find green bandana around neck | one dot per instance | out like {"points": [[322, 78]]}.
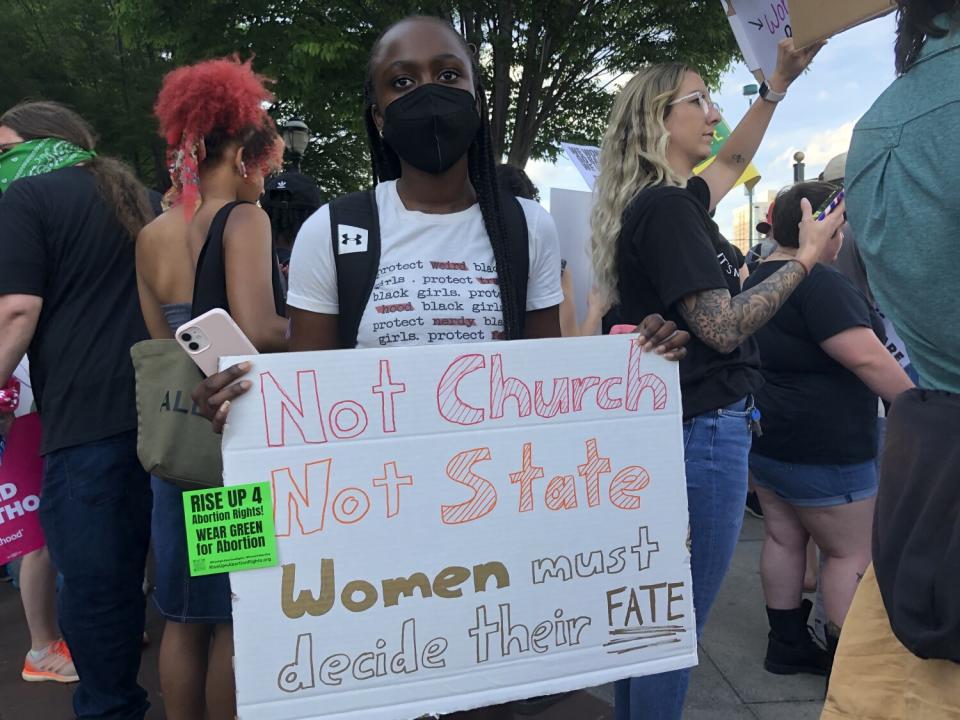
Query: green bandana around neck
{"points": [[36, 157]]}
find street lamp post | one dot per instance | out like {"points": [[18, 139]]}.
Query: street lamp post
{"points": [[749, 91], [296, 137], [798, 167]]}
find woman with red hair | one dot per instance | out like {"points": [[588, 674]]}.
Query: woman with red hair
{"points": [[222, 143]]}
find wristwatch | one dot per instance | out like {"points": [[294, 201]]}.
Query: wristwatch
{"points": [[769, 94]]}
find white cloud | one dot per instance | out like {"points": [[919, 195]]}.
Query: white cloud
{"points": [[821, 146]]}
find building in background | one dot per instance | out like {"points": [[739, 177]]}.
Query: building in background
{"points": [[745, 236]]}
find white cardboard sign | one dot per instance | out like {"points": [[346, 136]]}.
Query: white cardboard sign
{"points": [[586, 158], [759, 26], [571, 212], [815, 20], [460, 526]]}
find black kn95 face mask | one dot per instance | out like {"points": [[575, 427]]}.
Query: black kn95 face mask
{"points": [[431, 127]]}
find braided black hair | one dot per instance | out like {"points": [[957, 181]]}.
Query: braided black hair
{"points": [[482, 171]]}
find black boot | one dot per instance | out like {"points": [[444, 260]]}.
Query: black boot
{"points": [[832, 634], [791, 648]]}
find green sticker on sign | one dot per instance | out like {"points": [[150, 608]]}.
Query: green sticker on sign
{"points": [[230, 529]]}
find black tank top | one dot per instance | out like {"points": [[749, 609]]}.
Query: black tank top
{"points": [[210, 281]]}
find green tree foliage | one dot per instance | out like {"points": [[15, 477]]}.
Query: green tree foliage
{"points": [[550, 67], [550, 64], [53, 49]]}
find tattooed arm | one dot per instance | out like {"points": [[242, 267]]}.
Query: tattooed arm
{"points": [[724, 322]]}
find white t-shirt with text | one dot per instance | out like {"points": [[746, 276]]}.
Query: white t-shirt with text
{"points": [[437, 280]]}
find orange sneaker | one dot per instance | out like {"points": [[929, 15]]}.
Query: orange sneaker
{"points": [[55, 665]]}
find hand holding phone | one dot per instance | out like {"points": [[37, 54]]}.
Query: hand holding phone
{"points": [[819, 241], [211, 336]]}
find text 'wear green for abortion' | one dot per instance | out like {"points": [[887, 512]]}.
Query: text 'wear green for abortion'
{"points": [[230, 529]]}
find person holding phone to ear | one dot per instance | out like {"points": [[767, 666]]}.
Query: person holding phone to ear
{"points": [[815, 465]]}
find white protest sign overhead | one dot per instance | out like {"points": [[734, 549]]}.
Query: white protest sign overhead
{"points": [[571, 212], [759, 26], [586, 159], [459, 526]]}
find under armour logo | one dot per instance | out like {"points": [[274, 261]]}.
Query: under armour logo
{"points": [[352, 239]]}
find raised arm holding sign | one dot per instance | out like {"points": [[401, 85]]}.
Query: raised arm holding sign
{"points": [[742, 145], [759, 26], [656, 249]]}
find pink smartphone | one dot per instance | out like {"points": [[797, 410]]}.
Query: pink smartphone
{"points": [[211, 336]]}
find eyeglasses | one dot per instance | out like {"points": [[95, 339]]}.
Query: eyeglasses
{"points": [[706, 104]]}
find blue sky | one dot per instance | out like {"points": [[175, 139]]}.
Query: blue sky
{"points": [[817, 116]]}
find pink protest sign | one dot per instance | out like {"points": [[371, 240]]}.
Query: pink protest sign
{"points": [[20, 475]]}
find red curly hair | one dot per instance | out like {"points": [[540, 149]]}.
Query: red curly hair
{"points": [[202, 108]]}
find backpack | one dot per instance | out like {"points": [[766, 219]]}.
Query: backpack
{"points": [[357, 269]]}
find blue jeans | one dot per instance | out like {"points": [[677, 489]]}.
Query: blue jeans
{"points": [[823, 485], [95, 511], [716, 447]]}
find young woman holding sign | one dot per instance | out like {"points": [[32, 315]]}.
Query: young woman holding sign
{"points": [[656, 250], [439, 209]]}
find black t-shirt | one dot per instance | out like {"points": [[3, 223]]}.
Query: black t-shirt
{"points": [[670, 248], [815, 411], [741, 260], [59, 240]]}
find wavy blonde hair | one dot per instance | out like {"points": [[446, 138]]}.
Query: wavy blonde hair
{"points": [[633, 156]]}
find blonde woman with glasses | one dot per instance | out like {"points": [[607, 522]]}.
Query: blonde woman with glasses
{"points": [[655, 249]]}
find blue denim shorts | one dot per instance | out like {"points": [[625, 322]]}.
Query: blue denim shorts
{"points": [[815, 485], [179, 597]]}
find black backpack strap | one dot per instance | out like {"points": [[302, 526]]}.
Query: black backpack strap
{"points": [[355, 233], [515, 222], [210, 279]]}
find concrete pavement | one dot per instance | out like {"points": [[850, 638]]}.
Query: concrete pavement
{"points": [[729, 684]]}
